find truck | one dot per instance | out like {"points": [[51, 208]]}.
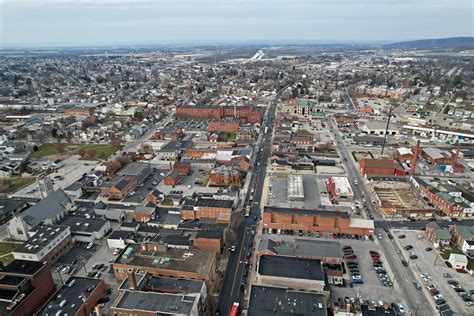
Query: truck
{"points": [[266, 129], [247, 211]]}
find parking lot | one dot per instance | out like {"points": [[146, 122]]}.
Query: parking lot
{"points": [[71, 171], [430, 262]]}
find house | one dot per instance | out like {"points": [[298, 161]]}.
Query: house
{"points": [[461, 233], [155, 197], [25, 287], [468, 248], [10, 207], [172, 178], [170, 151], [119, 239], [458, 261], [440, 237], [47, 211]]}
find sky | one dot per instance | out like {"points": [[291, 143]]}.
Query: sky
{"points": [[113, 22]]}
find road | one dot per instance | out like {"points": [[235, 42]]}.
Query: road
{"points": [[403, 276], [136, 142], [231, 289]]}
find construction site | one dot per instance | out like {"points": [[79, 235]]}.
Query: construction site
{"points": [[395, 199]]}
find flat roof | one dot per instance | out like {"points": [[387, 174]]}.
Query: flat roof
{"points": [[304, 212], [342, 185], [70, 296], [291, 267], [80, 223], [214, 203], [194, 261], [266, 300], [42, 236], [175, 285], [23, 267], [322, 248], [133, 169], [176, 304]]}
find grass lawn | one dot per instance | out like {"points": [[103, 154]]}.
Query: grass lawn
{"points": [[5, 249], [445, 255], [102, 151], [46, 150], [18, 183]]}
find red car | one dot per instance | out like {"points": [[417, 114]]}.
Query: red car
{"points": [[461, 271], [351, 257], [376, 259]]}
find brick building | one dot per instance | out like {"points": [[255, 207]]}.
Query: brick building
{"points": [[207, 208], [182, 168], [222, 126], [245, 113], [210, 240], [339, 188], [159, 260], [382, 166], [224, 176], [78, 296], [276, 219], [25, 286], [79, 111], [121, 188], [172, 178]]}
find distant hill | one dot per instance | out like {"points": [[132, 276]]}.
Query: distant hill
{"points": [[454, 43]]}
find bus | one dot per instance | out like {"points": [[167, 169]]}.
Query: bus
{"points": [[234, 310]]}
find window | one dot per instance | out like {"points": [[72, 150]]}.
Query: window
{"points": [[19, 231]]}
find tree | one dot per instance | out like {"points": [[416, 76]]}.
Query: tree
{"points": [[5, 185], [61, 147], [54, 132], [138, 116], [113, 167], [91, 153], [22, 133], [81, 152], [123, 160]]}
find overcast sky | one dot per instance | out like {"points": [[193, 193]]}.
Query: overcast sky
{"points": [[105, 22]]}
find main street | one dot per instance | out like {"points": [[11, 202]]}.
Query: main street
{"points": [[404, 277], [231, 288]]}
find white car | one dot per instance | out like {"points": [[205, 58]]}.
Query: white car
{"points": [[232, 249], [438, 297]]}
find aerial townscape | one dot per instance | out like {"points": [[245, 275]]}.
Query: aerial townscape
{"points": [[237, 179]]}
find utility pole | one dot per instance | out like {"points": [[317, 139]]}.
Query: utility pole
{"points": [[386, 129]]}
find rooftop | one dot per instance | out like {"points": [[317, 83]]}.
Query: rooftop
{"points": [[41, 237], [291, 267], [48, 207], [213, 203], [69, 298], [175, 285], [158, 303], [194, 261], [133, 169], [79, 223], [278, 301], [23, 267], [304, 212]]}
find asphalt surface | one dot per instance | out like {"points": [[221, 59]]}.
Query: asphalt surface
{"points": [[232, 291], [404, 277]]}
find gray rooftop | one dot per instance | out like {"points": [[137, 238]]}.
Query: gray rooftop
{"points": [[70, 292], [291, 267], [49, 207], [214, 203], [79, 223], [133, 169], [266, 300], [175, 304], [318, 248], [175, 285]]}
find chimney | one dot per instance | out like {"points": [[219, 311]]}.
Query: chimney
{"points": [[171, 166], [98, 312], [454, 157], [132, 281], [415, 158]]}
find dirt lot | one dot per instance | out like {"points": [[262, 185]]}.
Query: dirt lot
{"points": [[430, 262]]}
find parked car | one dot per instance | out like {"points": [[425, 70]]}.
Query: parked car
{"points": [[401, 236], [417, 285], [405, 264], [408, 247], [413, 257]]}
